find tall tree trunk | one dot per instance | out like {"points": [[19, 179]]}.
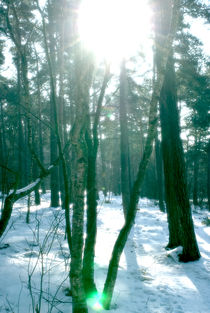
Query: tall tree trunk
{"points": [[3, 154], [92, 193], [181, 229], [130, 219], [83, 79], [55, 129], [35, 170], [54, 178], [61, 111], [159, 172], [40, 128], [124, 143], [91, 229], [83, 75], [208, 174], [195, 180], [20, 127], [167, 148], [195, 174]]}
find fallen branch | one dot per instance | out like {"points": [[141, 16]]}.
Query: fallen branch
{"points": [[17, 194]]}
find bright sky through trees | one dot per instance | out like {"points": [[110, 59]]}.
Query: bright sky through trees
{"points": [[114, 29]]}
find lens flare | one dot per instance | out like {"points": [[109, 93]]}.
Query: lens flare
{"points": [[94, 302]]}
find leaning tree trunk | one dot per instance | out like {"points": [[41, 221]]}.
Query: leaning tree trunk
{"points": [[181, 227], [130, 219]]}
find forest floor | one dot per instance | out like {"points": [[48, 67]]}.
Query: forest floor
{"points": [[34, 263]]}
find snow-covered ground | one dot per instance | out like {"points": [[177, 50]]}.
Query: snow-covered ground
{"points": [[35, 257]]}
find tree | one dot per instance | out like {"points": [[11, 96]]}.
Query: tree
{"points": [[208, 177], [124, 142], [92, 141], [130, 218]]}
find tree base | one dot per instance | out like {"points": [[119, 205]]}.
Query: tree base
{"points": [[79, 308], [171, 246], [184, 258]]}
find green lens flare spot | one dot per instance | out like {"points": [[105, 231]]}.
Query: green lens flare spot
{"points": [[94, 302], [97, 306]]}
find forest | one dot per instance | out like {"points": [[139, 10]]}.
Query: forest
{"points": [[104, 156]]}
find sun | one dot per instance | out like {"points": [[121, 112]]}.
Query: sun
{"points": [[114, 29]]}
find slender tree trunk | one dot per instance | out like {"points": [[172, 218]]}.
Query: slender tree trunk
{"points": [[40, 128], [159, 172], [208, 175], [92, 194], [76, 279], [35, 170], [61, 113], [2, 181], [195, 176], [103, 167], [83, 79], [130, 219], [55, 129], [20, 126], [124, 143], [3, 154], [27, 104], [54, 178], [91, 229], [54, 181], [79, 152]]}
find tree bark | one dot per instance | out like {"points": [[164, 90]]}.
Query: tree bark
{"points": [[18, 194], [195, 174], [124, 142], [92, 193], [51, 57], [83, 79], [130, 219], [159, 172], [208, 175], [181, 229]]}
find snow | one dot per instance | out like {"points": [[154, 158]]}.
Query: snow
{"points": [[150, 279], [28, 187]]}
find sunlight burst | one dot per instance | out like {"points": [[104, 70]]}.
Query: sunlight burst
{"points": [[114, 29]]}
